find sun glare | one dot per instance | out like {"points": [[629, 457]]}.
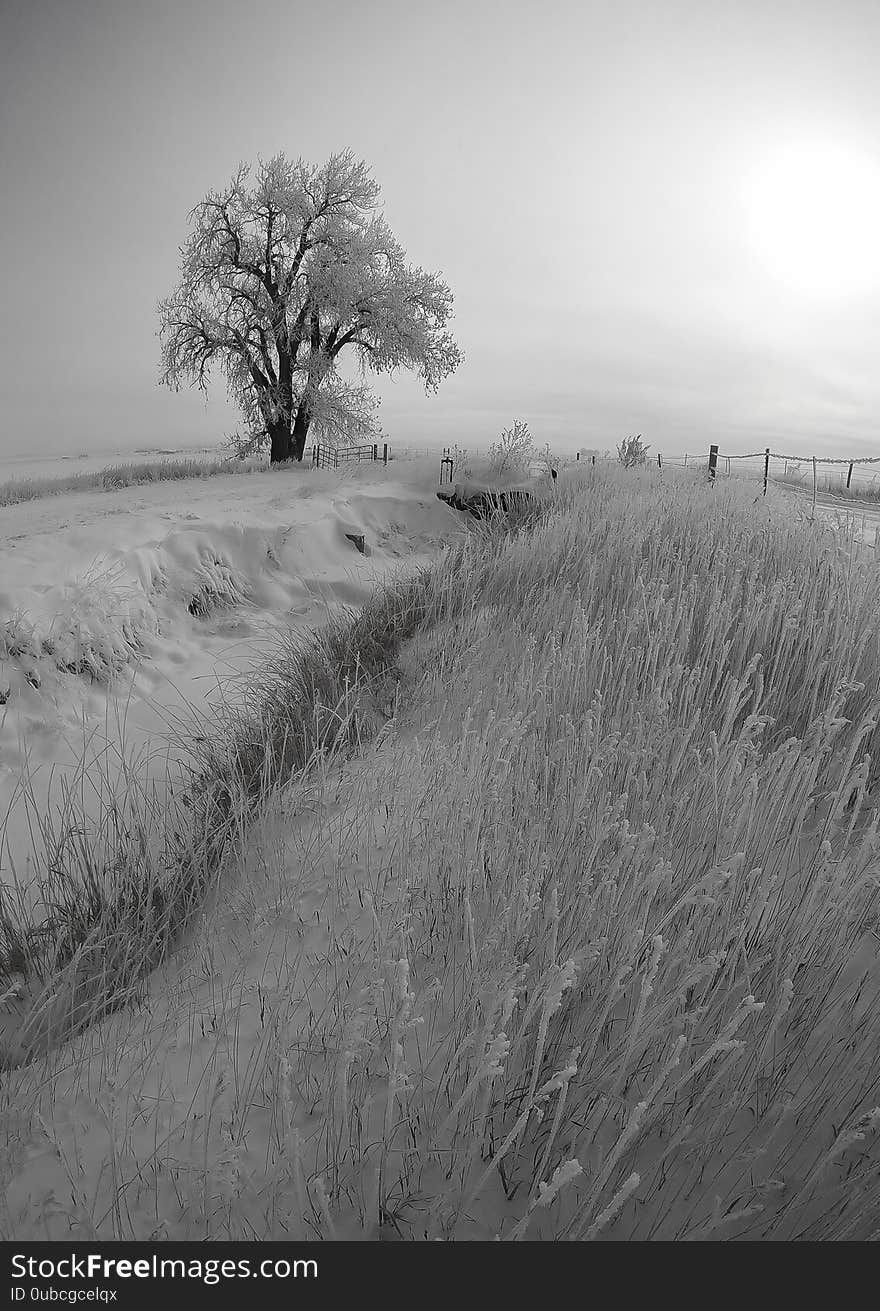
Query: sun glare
{"points": [[813, 214]]}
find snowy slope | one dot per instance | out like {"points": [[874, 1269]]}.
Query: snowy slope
{"points": [[123, 613]]}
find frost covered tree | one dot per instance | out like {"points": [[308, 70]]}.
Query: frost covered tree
{"points": [[279, 275]]}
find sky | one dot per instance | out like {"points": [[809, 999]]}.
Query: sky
{"points": [[656, 216]]}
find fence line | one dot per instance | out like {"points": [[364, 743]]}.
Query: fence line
{"points": [[329, 457], [447, 466], [447, 461], [805, 459], [814, 461]]}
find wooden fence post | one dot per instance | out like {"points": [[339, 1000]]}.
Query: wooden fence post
{"points": [[685, 459], [385, 454], [375, 450], [578, 456], [766, 467], [659, 465], [713, 461], [814, 487], [849, 475], [594, 461]]}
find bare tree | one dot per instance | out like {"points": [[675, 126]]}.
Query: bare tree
{"points": [[278, 277]]}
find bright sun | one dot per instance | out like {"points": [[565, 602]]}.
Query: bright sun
{"points": [[813, 215]]}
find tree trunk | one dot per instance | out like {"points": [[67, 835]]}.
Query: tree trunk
{"points": [[300, 432], [279, 435]]}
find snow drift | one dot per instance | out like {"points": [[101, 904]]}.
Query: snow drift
{"points": [[125, 615]]}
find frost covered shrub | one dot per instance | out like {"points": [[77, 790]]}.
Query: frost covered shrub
{"points": [[95, 625], [513, 450], [218, 585], [632, 452], [462, 464]]}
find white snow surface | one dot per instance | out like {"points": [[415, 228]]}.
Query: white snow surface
{"points": [[125, 615]]}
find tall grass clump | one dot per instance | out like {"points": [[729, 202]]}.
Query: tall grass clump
{"points": [[583, 943], [625, 942]]}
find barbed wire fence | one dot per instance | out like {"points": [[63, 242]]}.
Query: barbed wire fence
{"points": [[843, 490], [848, 483]]}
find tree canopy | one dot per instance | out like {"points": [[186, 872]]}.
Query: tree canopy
{"points": [[279, 275]]}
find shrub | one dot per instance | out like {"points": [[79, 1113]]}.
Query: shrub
{"points": [[546, 459], [632, 452], [461, 462], [513, 450]]}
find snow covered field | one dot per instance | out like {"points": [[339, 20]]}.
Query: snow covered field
{"points": [[23, 465], [612, 854], [124, 613]]}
